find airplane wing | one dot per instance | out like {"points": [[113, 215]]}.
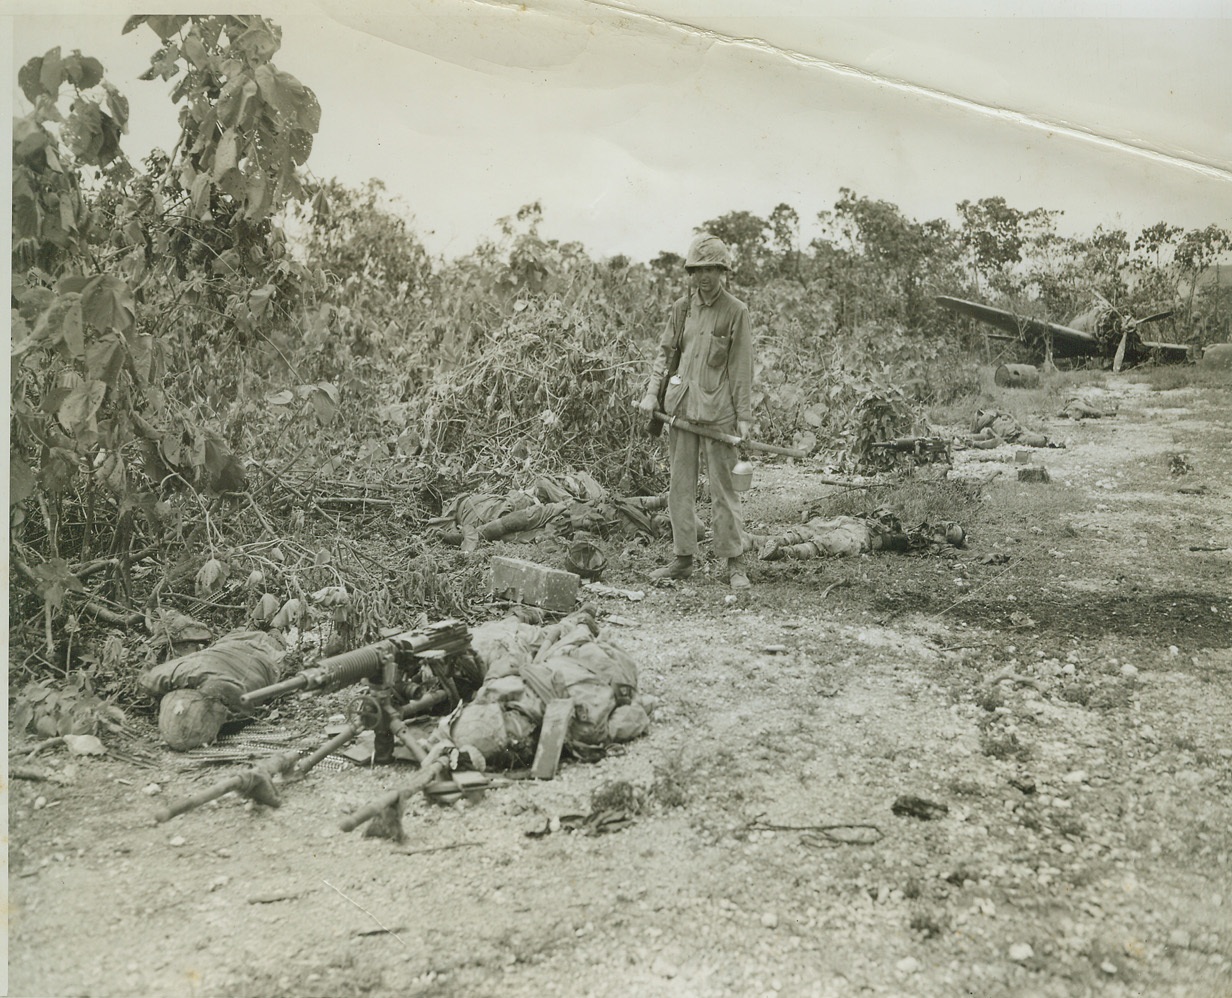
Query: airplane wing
{"points": [[1172, 351], [1065, 338]]}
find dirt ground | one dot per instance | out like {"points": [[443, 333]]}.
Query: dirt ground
{"points": [[1063, 686]]}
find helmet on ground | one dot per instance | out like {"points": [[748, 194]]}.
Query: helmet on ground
{"points": [[190, 718], [708, 251], [585, 559]]}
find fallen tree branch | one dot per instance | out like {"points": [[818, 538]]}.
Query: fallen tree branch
{"points": [[829, 832], [38, 775], [1008, 674]]}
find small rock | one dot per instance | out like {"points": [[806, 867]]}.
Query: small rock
{"points": [[1077, 776], [770, 920], [1179, 938], [663, 967], [908, 965], [1128, 671], [177, 841], [1108, 967], [1021, 952], [150, 789], [40, 803], [1173, 651]]}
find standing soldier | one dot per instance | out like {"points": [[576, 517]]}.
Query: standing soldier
{"points": [[707, 356]]}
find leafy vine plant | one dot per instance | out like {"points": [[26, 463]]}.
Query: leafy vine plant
{"points": [[121, 273]]}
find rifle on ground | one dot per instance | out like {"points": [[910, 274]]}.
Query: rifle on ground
{"points": [[677, 423]]}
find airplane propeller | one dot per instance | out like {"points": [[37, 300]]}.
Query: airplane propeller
{"points": [[1128, 326]]}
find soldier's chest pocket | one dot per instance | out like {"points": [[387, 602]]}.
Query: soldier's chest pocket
{"points": [[716, 347]]}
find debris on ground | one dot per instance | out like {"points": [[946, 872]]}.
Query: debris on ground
{"points": [[909, 806], [1016, 376], [521, 581], [1037, 473]]}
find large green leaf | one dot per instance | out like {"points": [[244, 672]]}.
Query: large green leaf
{"points": [[117, 103], [77, 411], [267, 83], [195, 52], [141, 357], [166, 25], [108, 303], [82, 71], [68, 213], [85, 130], [33, 302], [259, 198], [54, 580], [200, 195], [59, 467], [226, 155], [300, 145], [21, 480], [51, 74], [30, 79], [109, 146], [72, 331], [104, 358], [27, 218], [30, 146], [258, 44]]}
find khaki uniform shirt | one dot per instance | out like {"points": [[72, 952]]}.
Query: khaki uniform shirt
{"points": [[716, 359]]}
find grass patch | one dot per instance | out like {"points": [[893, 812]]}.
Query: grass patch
{"points": [[1169, 377], [1024, 404]]}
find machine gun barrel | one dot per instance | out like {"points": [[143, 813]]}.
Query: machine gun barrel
{"points": [[338, 671]]}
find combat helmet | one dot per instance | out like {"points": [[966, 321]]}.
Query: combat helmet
{"points": [[708, 251]]}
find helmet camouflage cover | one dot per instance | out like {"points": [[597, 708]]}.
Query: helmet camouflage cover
{"points": [[708, 251]]}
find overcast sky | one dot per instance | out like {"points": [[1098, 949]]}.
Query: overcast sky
{"points": [[634, 122]]}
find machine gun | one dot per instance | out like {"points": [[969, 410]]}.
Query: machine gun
{"points": [[382, 707], [922, 448], [380, 664]]}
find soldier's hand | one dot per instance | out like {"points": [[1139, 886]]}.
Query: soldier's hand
{"points": [[648, 403], [743, 428]]}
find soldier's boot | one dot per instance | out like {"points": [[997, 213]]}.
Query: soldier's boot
{"points": [[681, 568], [736, 575]]}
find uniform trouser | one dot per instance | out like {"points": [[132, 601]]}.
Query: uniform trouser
{"points": [[727, 525]]}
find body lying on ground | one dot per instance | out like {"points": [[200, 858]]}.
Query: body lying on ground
{"points": [[843, 536]]}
